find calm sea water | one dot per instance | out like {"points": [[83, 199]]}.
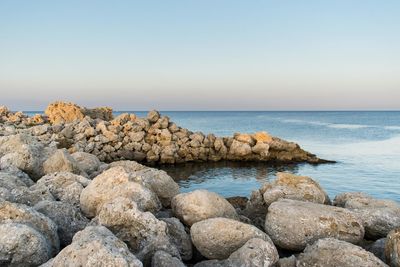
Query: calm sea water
{"points": [[366, 146]]}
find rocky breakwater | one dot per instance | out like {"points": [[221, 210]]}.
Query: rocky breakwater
{"points": [[59, 208], [153, 139]]}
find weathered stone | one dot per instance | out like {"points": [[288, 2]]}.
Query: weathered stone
{"points": [[239, 149], [199, 205], [287, 262], [22, 245], [61, 112], [68, 218], [153, 116], [163, 259], [64, 186], [24, 152], [113, 183], [392, 248], [217, 238], [263, 137], [293, 224], [379, 216], [61, 161], [96, 246], [331, 252], [18, 213], [30, 196], [86, 162], [179, 237], [290, 186], [254, 253], [143, 232], [244, 138], [377, 248]]}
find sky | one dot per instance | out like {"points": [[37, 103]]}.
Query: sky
{"points": [[201, 55]]}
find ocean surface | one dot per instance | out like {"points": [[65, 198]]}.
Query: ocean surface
{"points": [[366, 146]]}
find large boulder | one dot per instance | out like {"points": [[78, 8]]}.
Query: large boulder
{"points": [[68, 218], [199, 205], [157, 180], [379, 216], [329, 252], [61, 161], [96, 246], [293, 224], [22, 245], [217, 238], [86, 162], [392, 248], [64, 112], [24, 152], [18, 213], [254, 253], [163, 259], [64, 186], [179, 237], [295, 187], [113, 183], [143, 232]]}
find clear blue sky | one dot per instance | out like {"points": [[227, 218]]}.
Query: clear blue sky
{"points": [[201, 55]]}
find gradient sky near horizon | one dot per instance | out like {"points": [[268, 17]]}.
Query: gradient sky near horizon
{"points": [[201, 55]]}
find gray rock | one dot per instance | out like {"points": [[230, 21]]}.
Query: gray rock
{"points": [[68, 218], [163, 259], [179, 237], [377, 248], [255, 252], [143, 232], [290, 186], [199, 205], [329, 252], [113, 183], [217, 238], [379, 216], [293, 224], [24, 152], [87, 162], [64, 186], [22, 245], [18, 213], [61, 161], [96, 246], [392, 248], [287, 262]]}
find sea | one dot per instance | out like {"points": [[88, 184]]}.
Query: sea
{"points": [[365, 145]]}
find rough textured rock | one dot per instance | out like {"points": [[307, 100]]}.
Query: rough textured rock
{"points": [[179, 237], [379, 216], [113, 183], [199, 205], [68, 218], [86, 162], [287, 262], [377, 248], [331, 252], [63, 112], [217, 238], [392, 248], [290, 186], [22, 245], [157, 180], [61, 161], [96, 246], [293, 224], [254, 253], [18, 213], [143, 232], [24, 152], [64, 186], [163, 259]]}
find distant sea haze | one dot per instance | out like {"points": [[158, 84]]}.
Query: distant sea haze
{"points": [[366, 145]]}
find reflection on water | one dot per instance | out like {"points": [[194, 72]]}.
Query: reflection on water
{"points": [[225, 178]]}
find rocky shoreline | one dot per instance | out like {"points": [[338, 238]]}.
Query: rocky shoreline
{"points": [[73, 194]]}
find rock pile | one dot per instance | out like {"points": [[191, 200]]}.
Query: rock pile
{"points": [[154, 139], [64, 207]]}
